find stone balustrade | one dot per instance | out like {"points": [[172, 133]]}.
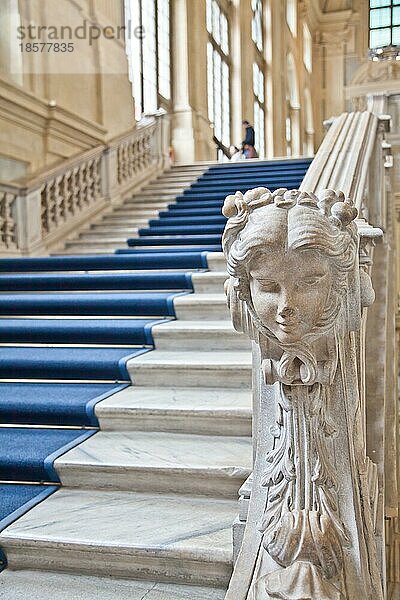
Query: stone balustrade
{"points": [[38, 212], [313, 517], [8, 224]]}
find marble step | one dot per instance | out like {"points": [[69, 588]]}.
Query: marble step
{"points": [[133, 209], [199, 335], [107, 232], [45, 585], [112, 237], [167, 188], [187, 168], [142, 204], [201, 306], [132, 214], [113, 242], [82, 249], [160, 194], [191, 368], [169, 463], [177, 179], [126, 534], [121, 225], [117, 219], [213, 411], [216, 261], [209, 282]]}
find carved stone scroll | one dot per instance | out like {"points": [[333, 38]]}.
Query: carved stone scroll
{"points": [[295, 287]]}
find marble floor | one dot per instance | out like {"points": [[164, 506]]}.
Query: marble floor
{"points": [[18, 585]]}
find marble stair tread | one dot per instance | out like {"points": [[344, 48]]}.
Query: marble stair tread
{"points": [[132, 209], [146, 461], [145, 202], [199, 335], [120, 221], [126, 228], [162, 188], [192, 368], [191, 410], [209, 282], [128, 534], [45, 585], [216, 261], [201, 306], [109, 234], [95, 242], [82, 249], [92, 237], [162, 194]]}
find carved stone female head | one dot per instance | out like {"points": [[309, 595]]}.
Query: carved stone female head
{"points": [[289, 256]]}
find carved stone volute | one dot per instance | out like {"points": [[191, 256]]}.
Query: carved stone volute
{"points": [[295, 288]]}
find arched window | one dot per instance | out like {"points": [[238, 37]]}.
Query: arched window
{"points": [[384, 23], [218, 72], [149, 54]]}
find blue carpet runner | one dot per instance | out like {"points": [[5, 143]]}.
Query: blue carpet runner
{"points": [[67, 331]]}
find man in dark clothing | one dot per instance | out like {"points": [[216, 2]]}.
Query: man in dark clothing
{"points": [[249, 141]]}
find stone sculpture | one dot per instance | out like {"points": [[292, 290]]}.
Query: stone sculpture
{"points": [[296, 288]]}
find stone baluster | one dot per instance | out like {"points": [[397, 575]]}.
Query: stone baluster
{"points": [[297, 288]]}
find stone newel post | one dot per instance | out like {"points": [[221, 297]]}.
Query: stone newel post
{"points": [[296, 288]]}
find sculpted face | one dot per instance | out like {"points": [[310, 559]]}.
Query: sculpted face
{"points": [[289, 290]]}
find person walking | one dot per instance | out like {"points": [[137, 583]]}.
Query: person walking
{"points": [[248, 143]]}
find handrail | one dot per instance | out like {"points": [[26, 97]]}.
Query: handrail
{"points": [[40, 176], [307, 534], [221, 146]]}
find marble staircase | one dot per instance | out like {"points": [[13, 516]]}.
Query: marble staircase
{"points": [[146, 505], [111, 229], [153, 494]]}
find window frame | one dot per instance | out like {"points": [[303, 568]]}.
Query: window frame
{"points": [[391, 5], [260, 63], [162, 101], [218, 48], [256, 14], [262, 108]]}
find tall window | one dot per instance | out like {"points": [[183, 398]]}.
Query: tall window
{"points": [[307, 48], [384, 23], [256, 24], [149, 55], [259, 66], [218, 71], [291, 15], [259, 109]]}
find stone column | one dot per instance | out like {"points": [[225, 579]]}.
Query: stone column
{"points": [[334, 44], [191, 131]]}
